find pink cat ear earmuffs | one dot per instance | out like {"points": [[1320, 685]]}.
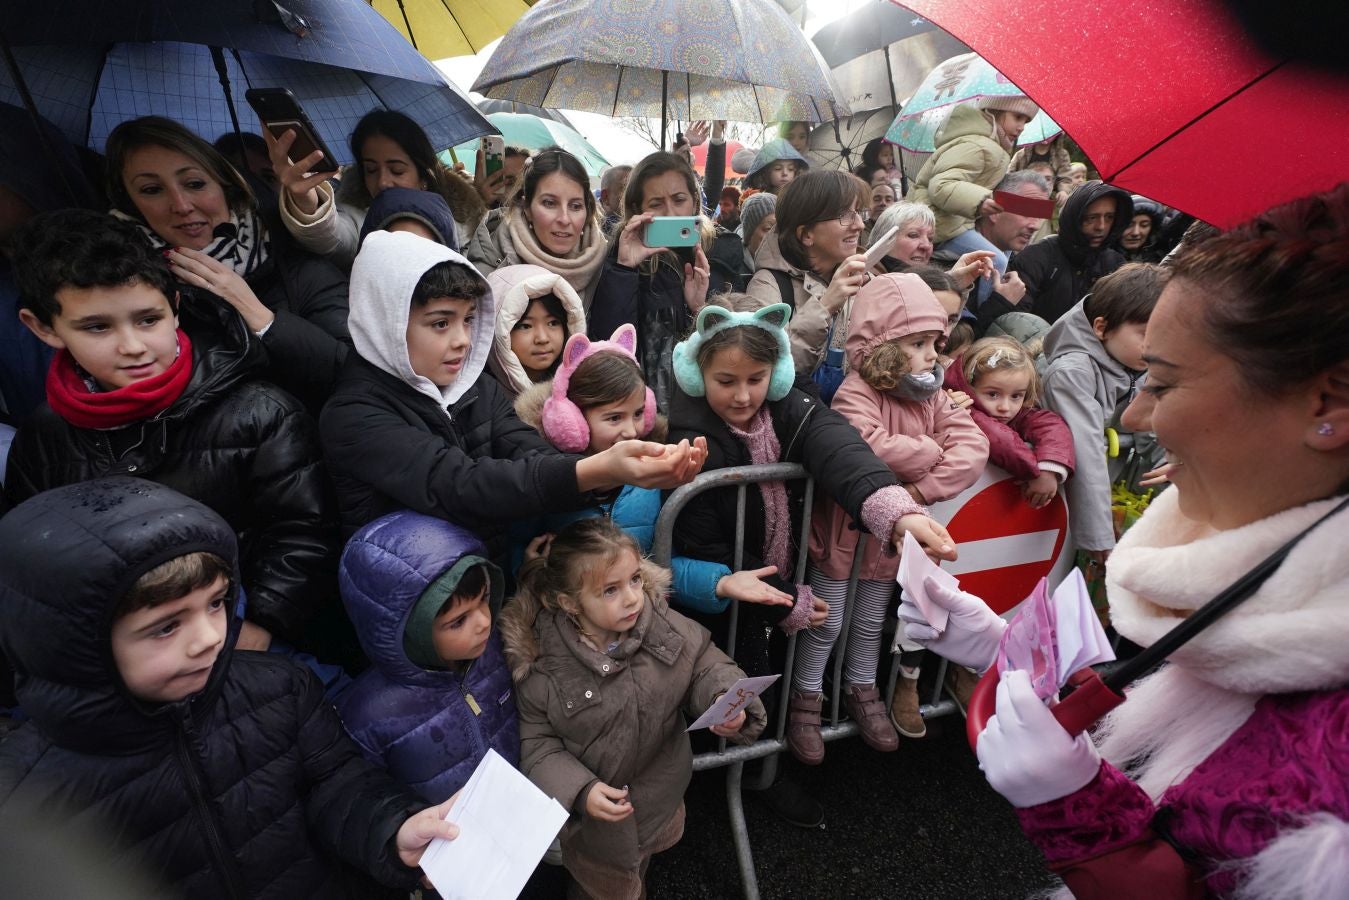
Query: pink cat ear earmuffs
{"points": [[564, 425]]}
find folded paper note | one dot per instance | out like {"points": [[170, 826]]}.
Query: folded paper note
{"points": [[914, 568], [505, 827], [729, 704]]}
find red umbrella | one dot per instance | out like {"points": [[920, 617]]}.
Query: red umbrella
{"points": [[1170, 99], [700, 157]]}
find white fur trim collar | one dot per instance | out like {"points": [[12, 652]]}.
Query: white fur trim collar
{"points": [[1290, 635]]}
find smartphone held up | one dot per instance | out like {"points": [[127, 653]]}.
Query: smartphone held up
{"points": [[281, 112]]}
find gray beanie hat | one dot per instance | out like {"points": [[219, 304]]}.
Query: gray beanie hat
{"points": [[754, 210]]}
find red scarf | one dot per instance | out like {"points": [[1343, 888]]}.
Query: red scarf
{"points": [[71, 399]]}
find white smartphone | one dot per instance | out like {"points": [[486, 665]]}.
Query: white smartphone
{"points": [[881, 247]]}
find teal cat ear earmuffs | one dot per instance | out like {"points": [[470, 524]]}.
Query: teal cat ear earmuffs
{"points": [[715, 319]]}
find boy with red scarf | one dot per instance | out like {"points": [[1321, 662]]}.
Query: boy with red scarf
{"points": [[129, 392]]}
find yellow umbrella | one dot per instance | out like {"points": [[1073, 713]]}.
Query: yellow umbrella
{"points": [[443, 28]]}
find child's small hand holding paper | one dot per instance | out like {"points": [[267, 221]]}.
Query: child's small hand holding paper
{"points": [[419, 829], [730, 727], [933, 537]]}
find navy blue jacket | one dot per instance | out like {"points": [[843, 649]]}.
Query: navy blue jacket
{"points": [[246, 789], [419, 723]]}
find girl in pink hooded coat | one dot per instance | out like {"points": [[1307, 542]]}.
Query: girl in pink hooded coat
{"points": [[893, 395]]}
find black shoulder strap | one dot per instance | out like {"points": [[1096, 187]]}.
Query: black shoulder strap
{"points": [[785, 287]]}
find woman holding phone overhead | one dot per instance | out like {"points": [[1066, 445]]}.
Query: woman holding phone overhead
{"points": [[390, 150], [190, 202], [657, 288]]}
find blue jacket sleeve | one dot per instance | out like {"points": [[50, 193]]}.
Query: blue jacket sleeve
{"points": [[695, 584]]}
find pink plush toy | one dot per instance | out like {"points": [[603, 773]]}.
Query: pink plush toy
{"points": [[564, 425]]}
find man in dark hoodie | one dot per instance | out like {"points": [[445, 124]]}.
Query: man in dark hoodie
{"points": [[1060, 270]]}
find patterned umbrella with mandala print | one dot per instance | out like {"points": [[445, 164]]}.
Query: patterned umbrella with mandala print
{"points": [[743, 60]]}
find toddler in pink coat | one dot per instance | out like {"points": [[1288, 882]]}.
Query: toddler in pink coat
{"points": [[893, 396]]}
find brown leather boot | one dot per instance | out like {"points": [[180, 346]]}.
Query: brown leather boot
{"points": [[867, 709], [904, 709], [803, 728], [960, 683]]}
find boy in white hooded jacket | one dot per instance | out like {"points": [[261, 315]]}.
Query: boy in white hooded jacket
{"points": [[412, 425]]}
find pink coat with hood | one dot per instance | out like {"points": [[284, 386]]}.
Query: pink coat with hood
{"points": [[932, 445]]}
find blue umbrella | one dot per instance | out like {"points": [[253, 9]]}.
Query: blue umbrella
{"points": [[86, 66]]}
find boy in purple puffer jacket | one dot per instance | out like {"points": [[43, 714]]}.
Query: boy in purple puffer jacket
{"points": [[438, 695]]}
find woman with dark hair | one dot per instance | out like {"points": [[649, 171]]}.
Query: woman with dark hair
{"points": [[552, 222], [1224, 773], [191, 203], [812, 261], [390, 150], [660, 289], [1139, 240]]}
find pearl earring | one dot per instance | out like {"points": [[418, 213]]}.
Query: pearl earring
{"points": [[1325, 429]]}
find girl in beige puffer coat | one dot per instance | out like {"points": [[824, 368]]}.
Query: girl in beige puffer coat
{"points": [[605, 673]]}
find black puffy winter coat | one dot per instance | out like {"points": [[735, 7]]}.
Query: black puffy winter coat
{"points": [[246, 449], [390, 448], [809, 433], [248, 788], [1060, 270]]}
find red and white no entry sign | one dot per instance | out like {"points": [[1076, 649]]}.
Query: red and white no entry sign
{"points": [[1005, 546]]}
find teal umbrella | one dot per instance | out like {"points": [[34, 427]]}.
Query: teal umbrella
{"points": [[533, 133], [958, 80]]}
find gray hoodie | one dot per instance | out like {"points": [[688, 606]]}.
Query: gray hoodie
{"points": [[382, 280], [1089, 388]]}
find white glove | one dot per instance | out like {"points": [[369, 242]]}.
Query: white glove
{"points": [[972, 632], [1024, 752]]}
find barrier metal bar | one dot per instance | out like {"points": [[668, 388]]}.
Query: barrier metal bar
{"points": [[768, 748]]}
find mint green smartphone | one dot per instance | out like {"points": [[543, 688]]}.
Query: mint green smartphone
{"points": [[671, 231]]}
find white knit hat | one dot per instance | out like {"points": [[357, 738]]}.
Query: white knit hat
{"points": [[1010, 103]]}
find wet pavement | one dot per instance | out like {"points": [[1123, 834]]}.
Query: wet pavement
{"points": [[920, 822]]}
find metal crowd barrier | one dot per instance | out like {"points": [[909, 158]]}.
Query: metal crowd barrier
{"points": [[771, 744]]}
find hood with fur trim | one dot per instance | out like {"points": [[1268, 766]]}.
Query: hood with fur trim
{"points": [[383, 277], [514, 287], [888, 307], [517, 620]]}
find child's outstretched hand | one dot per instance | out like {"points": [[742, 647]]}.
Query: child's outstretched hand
{"points": [[934, 538], [608, 804], [643, 464], [1040, 489], [747, 586], [730, 727], [419, 829]]}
